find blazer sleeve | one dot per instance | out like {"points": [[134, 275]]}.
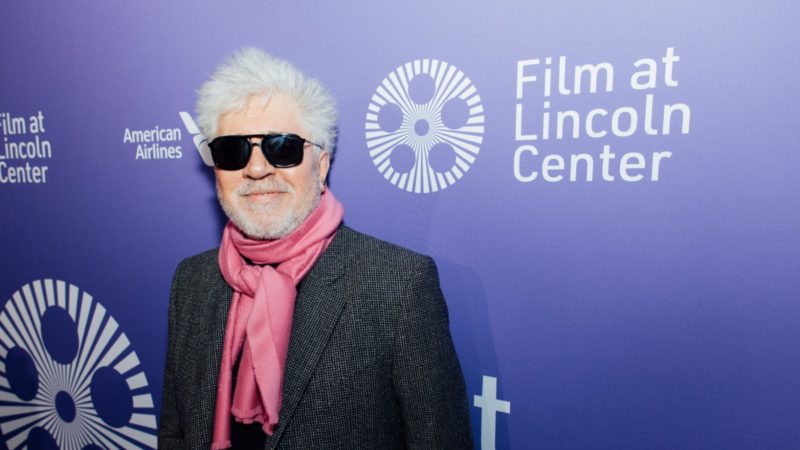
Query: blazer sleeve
{"points": [[426, 373], [170, 435]]}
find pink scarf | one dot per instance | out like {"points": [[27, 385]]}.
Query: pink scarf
{"points": [[260, 317]]}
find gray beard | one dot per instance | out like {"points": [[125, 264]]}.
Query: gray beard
{"points": [[255, 229]]}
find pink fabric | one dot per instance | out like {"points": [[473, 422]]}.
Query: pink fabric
{"points": [[260, 317]]}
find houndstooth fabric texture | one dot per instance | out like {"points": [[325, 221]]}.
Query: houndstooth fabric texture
{"points": [[371, 364]]}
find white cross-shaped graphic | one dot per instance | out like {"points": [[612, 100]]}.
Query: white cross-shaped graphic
{"points": [[490, 406]]}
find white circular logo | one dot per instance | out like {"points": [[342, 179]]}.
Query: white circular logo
{"points": [[68, 376], [424, 126]]}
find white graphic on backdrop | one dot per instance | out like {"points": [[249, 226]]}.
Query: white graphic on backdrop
{"points": [[424, 126], [198, 138], [490, 406], [69, 378]]}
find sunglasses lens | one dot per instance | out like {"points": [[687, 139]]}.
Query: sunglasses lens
{"points": [[283, 150], [230, 152], [233, 152]]}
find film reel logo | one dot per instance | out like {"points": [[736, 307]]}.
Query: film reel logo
{"points": [[424, 126], [69, 378]]}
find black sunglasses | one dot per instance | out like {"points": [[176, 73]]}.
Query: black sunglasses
{"points": [[280, 150]]}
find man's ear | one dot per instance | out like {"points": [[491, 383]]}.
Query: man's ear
{"points": [[324, 165]]}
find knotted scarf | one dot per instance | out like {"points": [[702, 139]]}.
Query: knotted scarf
{"points": [[260, 316]]}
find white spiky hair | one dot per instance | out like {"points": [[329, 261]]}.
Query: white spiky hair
{"points": [[253, 72]]}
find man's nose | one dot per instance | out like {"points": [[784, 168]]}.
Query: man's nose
{"points": [[258, 167]]}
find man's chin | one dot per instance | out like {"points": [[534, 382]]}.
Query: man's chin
{"points": [[267, 220], [261, 230]]}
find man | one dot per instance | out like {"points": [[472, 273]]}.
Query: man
{"points": [[299, 332]]}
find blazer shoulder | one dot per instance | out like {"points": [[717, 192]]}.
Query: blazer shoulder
{"points": [[370, 250], [203, 259], [197, 273], [201, 262]]}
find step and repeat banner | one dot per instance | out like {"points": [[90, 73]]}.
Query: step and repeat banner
{"points": [[610, 191]]}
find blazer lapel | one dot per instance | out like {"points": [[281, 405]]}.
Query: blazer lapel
{"points": [[319, 304]]}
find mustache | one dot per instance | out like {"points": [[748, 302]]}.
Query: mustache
{"points": [[263, 187]]}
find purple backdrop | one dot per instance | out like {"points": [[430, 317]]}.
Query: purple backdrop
{"points": [[657, 313]]}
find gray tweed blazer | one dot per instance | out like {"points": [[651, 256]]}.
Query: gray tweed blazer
{"points": [[371, 364]]}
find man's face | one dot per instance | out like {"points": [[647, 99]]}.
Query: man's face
{"points": [[262, 201]]}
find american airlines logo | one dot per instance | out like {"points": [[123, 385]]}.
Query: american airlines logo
{"points": [[197, 137]]}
